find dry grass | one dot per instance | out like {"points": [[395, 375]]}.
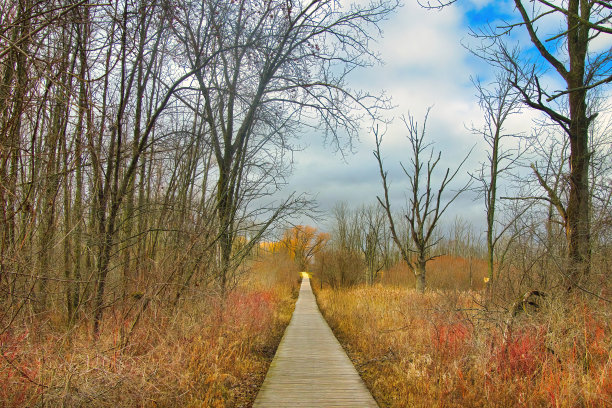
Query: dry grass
{"points": [[441, 349], [207, 353], [443, 272]]}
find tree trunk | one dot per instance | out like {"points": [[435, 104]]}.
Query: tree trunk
{"points": [[225, 247], [419, 273], [491, 202], [77, 215], [53, 142], [13, 91], [578, 206], [103, 267], [67, 233]]}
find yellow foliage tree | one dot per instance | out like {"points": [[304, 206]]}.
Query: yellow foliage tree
{"points": [[302, 242]]}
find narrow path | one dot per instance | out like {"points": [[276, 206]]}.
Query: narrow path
{"points": [[310, 368]]}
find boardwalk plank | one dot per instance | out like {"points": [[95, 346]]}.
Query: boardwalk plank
{"points": [[310, 368]]}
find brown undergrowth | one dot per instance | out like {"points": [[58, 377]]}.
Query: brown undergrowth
{"points": [[441, 349], [207, 353], [443, 272]]}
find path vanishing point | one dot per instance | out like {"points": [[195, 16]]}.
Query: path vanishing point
{"points": [[310, 368]]}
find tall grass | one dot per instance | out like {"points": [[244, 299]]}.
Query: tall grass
{"points": [[208, 352], [442, 349]]}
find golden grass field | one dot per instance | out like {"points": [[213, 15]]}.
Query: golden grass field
{"points": [[443, 349], [208, 353]]}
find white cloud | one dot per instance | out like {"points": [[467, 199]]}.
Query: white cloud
{"points": [[426, 65]]}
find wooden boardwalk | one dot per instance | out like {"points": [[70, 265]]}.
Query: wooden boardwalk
{"points": [[310, 368]]}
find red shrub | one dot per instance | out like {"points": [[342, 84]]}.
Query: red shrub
{"points": [[521, 352], [250, 312], [449, 338], [18, 373]]}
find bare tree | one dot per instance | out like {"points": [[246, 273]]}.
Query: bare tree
{"points": [[362, 233], [426, 205], [346, 231], [281, 65], [342, 262], [497, 105], [142, 141], [568, 54], [601, 184], [114, 174], [374, 240]]}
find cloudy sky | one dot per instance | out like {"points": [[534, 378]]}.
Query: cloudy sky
{"points": [[425, 65]]}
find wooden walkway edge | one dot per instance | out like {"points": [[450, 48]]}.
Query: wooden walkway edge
{"points": [[310, 368]]}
